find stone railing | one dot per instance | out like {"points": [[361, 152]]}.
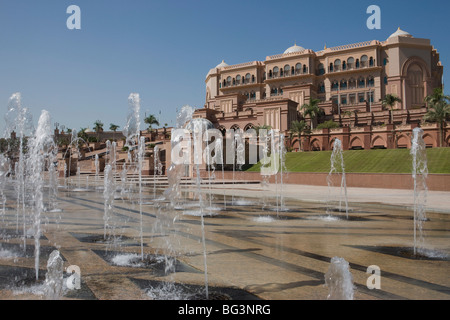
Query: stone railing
{"points": [[240, 65], [354, 45]]}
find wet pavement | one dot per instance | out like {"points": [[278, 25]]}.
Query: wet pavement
{"points": [[255, 248]]}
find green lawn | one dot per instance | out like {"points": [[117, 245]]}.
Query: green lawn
{"points": [[366, 161]]}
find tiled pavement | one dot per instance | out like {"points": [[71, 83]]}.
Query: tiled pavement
{"points": [[251, 253]]}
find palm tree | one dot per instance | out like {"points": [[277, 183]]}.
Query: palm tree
{"points": [[438, 110], [436, 96], [98, 127], [297, 128], [113, 127], [389, 101], [151, 120], [312, 109]]}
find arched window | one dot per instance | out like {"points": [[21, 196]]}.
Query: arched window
{"points": [[364, 60], [253, 78], [247, 78], [321, 69], [337, 65], [281, 72], [371, 62], [234, 81], [361, 82], [273, 91], [370, 81], [343, 84], [270, 74], [224, 82], [238, 79], [287, 68], [228, 81], [252, 95], [350, 63], [357, 64], [275, 72], [292, 71], [335, 86], [344, 65], [280, 90], [305, 69], [331, 67], [298, 68]]}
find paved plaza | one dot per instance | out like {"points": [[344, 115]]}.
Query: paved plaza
{"points": [[275, 253]]}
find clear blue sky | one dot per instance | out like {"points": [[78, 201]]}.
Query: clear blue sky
{"points": [[164, 49]]}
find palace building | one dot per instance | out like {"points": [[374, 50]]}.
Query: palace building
{"points": [[350, 82]]}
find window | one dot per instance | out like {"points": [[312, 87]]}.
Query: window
{"points": [[270, 74], [321, 69], [228, 81], [370, 96], [385, 80], [305, 69], [361, 97], [370, 81], [287, 68], [292, 71], [298, 68], [364, 60], [238, 79], [247, 78], [275, 72], [253, 78], [343, 85], [357, 65], [337, 65], [343, 99], [352, 98], [371, 62], [384, 61], [361, 83], [321, 88], [234, 81], [352, 83], [252, 95], [335, 86], [344, 65], [350, 63], [273, 91]]}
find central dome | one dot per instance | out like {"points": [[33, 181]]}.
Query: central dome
{"points": [[294, 48]]}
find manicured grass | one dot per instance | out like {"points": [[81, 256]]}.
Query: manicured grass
{"points": [[366, 161]]}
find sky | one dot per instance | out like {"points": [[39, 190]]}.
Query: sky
{"points": [[164, 49]]}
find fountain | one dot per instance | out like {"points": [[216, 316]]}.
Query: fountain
{"points": [[339, 280], [54, 279], [337, 168], [40, 147], [134, 141], [18, 118], [419, 175]]}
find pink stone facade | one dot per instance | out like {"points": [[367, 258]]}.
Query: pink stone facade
{"points": [[349, 80]]}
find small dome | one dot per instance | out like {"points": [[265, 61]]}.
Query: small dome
{"points": [[88, 130], [222, 64], [400, 33], [294, 48]]}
